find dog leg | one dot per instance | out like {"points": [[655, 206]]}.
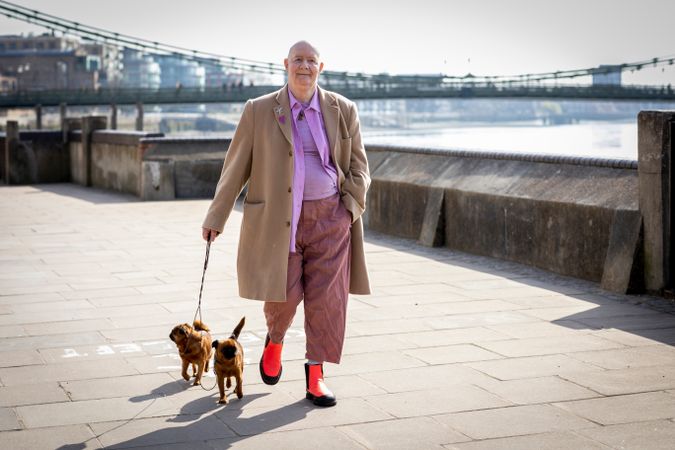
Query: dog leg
{"points": [[221, 388], [198, 376], [184, 371], [229, 383], [240, 384]]}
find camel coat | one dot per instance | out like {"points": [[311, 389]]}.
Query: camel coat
{"points": [[261, 154]]}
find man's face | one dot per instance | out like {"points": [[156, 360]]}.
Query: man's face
{"points": [[303, 67]]}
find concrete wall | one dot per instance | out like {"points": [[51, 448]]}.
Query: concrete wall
{"points": [[181, 167], [574, 216], [116, 160], [108, 159], [38, 157], [553, 213], [77, 158]]}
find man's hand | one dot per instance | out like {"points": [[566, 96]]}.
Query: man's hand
{"points": [[209, 235]]}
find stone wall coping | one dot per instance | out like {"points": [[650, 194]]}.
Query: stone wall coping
{"points": [[526, 157], [121, 137], [185, 140], [30, 135]]}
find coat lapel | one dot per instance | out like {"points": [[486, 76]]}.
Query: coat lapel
{"points": [[331, 118], [282, 113]]}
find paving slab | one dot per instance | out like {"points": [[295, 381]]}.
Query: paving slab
{"points": [[8, 420], [90, 411], [403, 434], [513, 421], [436, 401], [624, 408], [625, 381], [79, 436], [327, 438], [157, 431], [534, 390], [86, 360], [549, 441], [32, 394], [656, 435]]}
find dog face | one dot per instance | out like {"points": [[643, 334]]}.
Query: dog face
{"points": [[180, 333], [226, 351]]}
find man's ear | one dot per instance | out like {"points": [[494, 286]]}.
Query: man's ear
{"points": [[320, 67], [215, 344], [286, 63]]}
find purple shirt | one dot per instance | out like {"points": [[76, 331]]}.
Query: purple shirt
{"points": [[312, 114]]}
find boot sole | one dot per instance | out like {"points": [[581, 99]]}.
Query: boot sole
{"points": [[321, 401], [268, 379]]}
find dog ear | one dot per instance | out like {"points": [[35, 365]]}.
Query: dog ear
{"points": [[214, 344]]}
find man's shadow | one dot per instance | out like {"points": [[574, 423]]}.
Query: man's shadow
{"points": [[225, 424]]}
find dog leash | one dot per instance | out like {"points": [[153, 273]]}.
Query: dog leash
{"points": [[199, 303], [201, 288]]}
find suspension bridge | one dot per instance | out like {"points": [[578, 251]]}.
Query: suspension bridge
{"points": [[551, 85]]}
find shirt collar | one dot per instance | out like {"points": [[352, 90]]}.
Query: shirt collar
{"points": [[313, 103]]}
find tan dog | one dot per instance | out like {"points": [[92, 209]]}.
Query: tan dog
{"points": [[194, 347], [229, 362]]}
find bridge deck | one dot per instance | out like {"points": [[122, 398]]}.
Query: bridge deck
{"points": [[353, 91]]}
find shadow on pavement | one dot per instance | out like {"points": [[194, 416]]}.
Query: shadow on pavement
{"points": [[225, 425]]}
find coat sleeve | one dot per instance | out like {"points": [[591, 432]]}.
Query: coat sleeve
{"points": [[357, 178], [235, 174]]}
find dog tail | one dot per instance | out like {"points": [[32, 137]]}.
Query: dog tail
{"points": [[235, 333], [200, 326]]}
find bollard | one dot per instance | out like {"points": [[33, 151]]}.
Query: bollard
{"points": [[139, 116], [113, 116], [63, 109], [84, 163], [11, 146], [655, 143], [38, 117]]}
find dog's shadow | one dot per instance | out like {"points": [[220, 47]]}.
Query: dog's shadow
{"points": [[226, 425], [171, 388]]}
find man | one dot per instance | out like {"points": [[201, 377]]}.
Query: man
{"points": [[300, 151]]}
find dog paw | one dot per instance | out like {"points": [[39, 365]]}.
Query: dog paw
{"points": [[240, 396], [222, 401], [186, 377], [196, 383]]}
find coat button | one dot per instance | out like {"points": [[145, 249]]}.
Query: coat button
{"points": [[290, 153], [289, 189], [288, 224]]}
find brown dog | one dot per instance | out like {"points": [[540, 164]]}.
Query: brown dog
{"points": [[229, 362], [194, 347]]}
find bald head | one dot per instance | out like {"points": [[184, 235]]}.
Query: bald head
{"points": [[304, 45], [303, 66]]}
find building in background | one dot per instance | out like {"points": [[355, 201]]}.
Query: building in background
{"points": [[607, 76], [46, 61], [140, 70], [55, 62], [177, 72], [107, 60]]}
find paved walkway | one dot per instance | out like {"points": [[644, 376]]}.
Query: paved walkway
{"points": [[452, 351]]}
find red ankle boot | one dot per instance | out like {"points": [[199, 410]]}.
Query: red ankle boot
{"points": [[270, 362], [316, 388]]}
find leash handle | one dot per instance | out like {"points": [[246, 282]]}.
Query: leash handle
{"points": [[201, 288]]}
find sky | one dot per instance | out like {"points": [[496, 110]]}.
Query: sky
{"points": [[483, 37]]}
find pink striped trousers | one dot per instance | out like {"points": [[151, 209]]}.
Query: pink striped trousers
{"points": [[318, 273]]}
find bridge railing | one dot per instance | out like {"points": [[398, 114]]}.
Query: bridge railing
{"points": [[371, 89]]}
